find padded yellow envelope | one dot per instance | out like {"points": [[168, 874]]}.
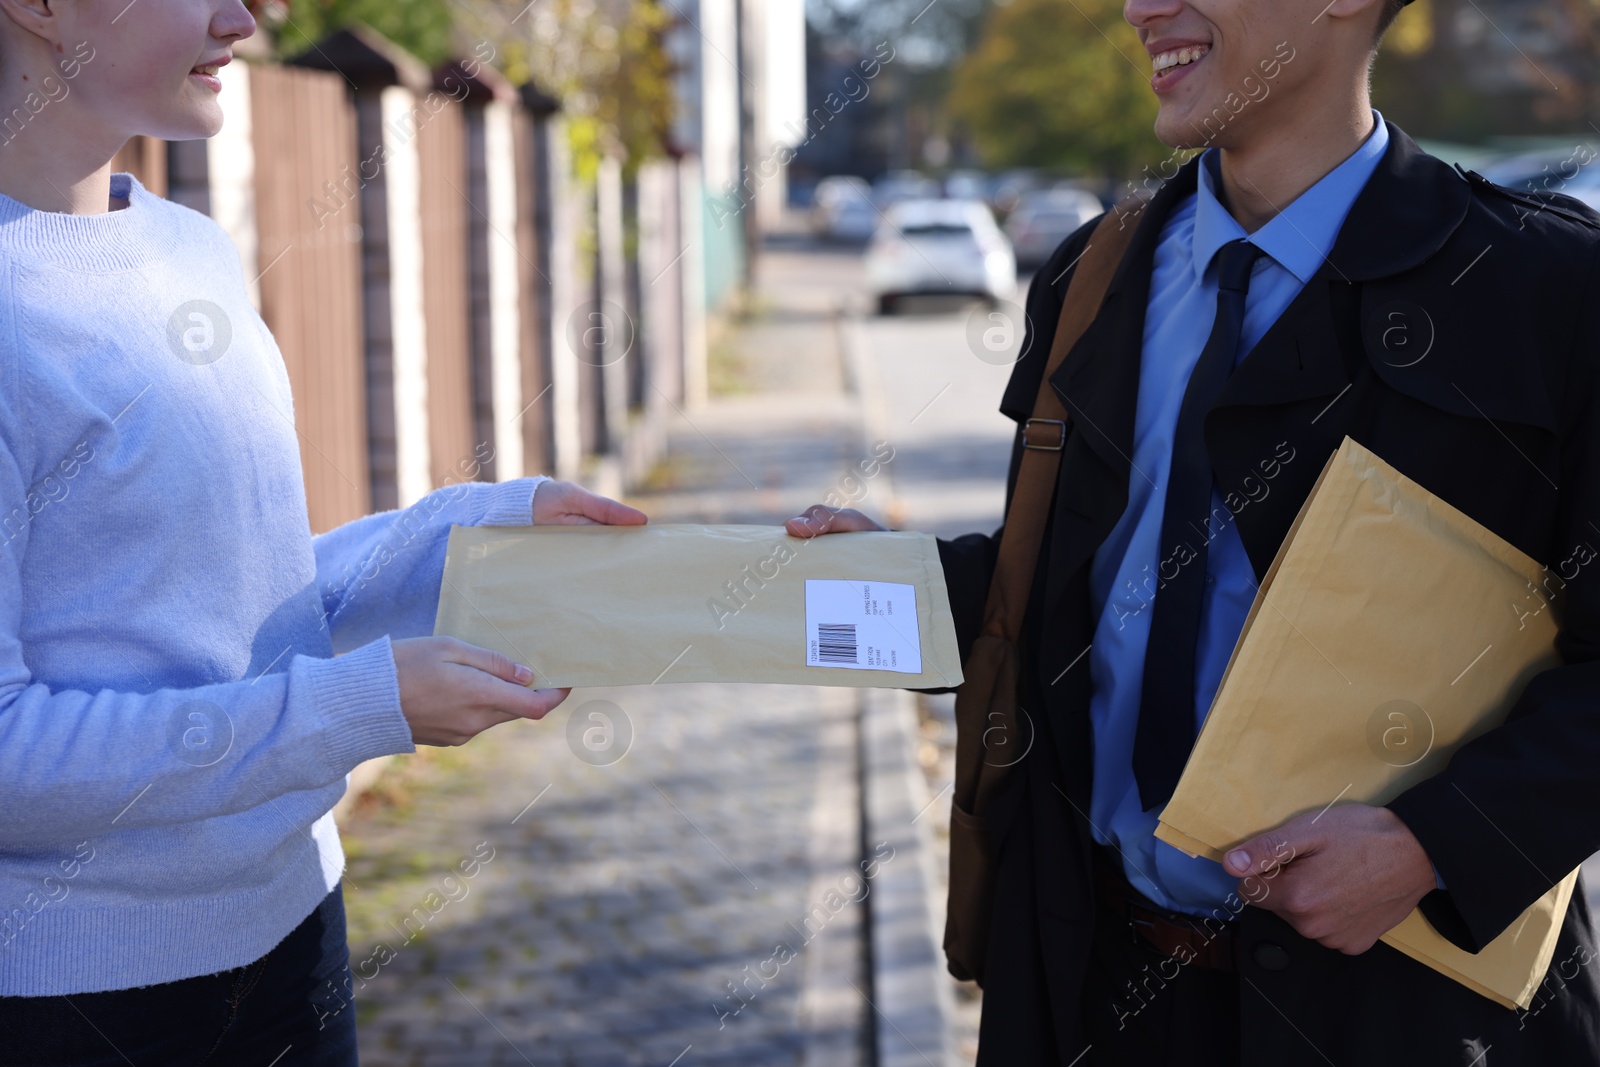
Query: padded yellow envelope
{"points": [[635, 605], [1383, 638]]}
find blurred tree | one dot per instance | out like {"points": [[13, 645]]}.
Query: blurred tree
{"points": [[605, 61], [422, 27], [1468, 70], [1061, 84]]}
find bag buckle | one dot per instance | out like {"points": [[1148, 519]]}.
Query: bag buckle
{"points": [[1051, 435]]}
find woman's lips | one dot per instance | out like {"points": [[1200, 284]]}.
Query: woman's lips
{"points": [[206, 74]]}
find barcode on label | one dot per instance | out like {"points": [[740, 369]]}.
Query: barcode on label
{"points": [[836, 643]]}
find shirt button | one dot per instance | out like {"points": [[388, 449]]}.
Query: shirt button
{"points": [[1271, 957]]}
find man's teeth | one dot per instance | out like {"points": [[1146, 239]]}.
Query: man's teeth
{"points": [[1178, 58]]}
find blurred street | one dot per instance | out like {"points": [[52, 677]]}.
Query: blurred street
{"points": [[622, 899]]}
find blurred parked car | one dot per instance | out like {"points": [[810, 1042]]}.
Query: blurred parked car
{"points": [[1570, 171], [939, 247], [1043, 220], [842, 210], [966, 185], [899, 185], [1010, 187]]}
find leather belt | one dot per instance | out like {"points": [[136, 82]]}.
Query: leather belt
{"points": [[1173, 934]]}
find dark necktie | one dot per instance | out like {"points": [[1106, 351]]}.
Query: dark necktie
{"points": [[1166, 706]]}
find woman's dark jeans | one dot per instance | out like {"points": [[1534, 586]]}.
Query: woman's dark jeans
{"points": [[290, 1008]]}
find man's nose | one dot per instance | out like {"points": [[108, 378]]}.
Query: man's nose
{"points": [[1143, 14]]}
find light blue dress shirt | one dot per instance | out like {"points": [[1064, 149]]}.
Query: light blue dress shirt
{"points": [[1122, 577]]}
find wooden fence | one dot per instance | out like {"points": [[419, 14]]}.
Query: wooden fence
{"points": [[417, 245]]}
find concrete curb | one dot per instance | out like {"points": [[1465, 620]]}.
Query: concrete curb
{"points": [[912, 1000], [862, 381]]}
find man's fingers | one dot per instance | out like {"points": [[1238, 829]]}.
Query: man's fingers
{"points": [[821, 519], [1265, 853], [491, 662]]}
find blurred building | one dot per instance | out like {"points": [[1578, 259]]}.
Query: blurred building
{"points": [[741, 85]]}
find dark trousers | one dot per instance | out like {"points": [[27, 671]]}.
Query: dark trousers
{"points": [[1144, 1009], [290, 1008]]}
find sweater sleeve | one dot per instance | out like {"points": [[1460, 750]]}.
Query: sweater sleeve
{"points": [[75, 764], [380, 575]]}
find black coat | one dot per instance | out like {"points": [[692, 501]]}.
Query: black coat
{"points": [[1455, 331]]}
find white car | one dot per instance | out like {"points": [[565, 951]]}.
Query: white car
{"points": [[939, 247]]}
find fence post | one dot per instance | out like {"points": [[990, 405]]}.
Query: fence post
{"points": [[612, 329], [387, 83], [446, 213], [560, 236], [660, 302], [532, 184], [691, 209], [494, 276]]}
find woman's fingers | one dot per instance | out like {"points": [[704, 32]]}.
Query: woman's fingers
{"points": [[566, 504]]}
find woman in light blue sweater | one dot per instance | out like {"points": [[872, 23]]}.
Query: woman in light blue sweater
{"points": [[174, 725]]}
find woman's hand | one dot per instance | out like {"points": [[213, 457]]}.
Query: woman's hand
{"points": [[565, 504], [451, 691]]}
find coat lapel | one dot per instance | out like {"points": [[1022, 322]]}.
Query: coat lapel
{"points": [[1293, 392], [1406, 212]]}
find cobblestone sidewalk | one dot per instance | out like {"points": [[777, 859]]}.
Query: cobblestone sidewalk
{"points": [[628, 913]]}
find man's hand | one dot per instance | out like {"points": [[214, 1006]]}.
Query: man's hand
{"points": [[565, 504], [1343, 878], [821, 519], [451, 691]]}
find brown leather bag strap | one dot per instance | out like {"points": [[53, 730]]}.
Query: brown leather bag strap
{"points": [[1045, 434]]}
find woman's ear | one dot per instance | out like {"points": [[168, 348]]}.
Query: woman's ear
{"points": [[35, 16]]}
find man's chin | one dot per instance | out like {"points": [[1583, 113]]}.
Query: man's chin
{"points": [[1177, 132]]}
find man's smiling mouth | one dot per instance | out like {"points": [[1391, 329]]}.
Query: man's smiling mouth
{"points": [[1179, 57]]}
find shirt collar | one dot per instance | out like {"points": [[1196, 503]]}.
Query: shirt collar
{"points": [[1300, 236]]}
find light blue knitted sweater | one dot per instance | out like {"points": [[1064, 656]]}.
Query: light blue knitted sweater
{"points": [[174, 725]]}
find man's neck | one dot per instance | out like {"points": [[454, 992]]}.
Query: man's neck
{"points": [[1262, 177]]}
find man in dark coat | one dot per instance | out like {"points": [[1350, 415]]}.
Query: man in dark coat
{"points": [[1453, 328]]}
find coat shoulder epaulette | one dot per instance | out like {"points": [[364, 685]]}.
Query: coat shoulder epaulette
{"points": [[1527, 201]]}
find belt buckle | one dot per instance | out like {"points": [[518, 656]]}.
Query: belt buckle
{"points": [[1134, 937], [1061, 434]]}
